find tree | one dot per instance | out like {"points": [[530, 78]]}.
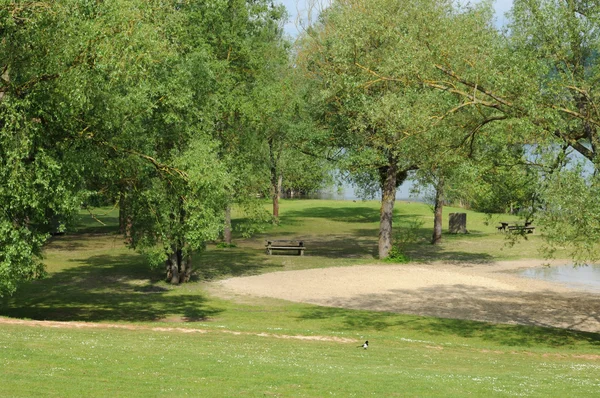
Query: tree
{"points": [[220, 54], [540, 80], [68, 73], [117, 98], [247, 43], [370, 61]]}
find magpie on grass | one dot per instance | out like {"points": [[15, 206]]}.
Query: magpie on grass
{"points": [[365, 346]]}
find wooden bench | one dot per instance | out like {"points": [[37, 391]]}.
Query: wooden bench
{"points": [[296, 245]]}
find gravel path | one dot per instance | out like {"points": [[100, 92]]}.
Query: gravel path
{"points": [[484, 292]]}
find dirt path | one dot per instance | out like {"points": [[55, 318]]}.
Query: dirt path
{"points": [[96, 325], [484, 292]]}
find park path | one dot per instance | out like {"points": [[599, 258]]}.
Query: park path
{"points": [[102, 325]]}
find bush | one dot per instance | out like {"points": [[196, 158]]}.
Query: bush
{"points": [[397, 256]]}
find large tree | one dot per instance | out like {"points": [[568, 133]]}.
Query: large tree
{"points": [[120, 98], [370, 61], [541, 82], [70, 85]]}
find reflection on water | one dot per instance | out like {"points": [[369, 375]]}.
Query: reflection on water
{"points": [[583, 277]]}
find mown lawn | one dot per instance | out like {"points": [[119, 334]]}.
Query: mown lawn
{"points": [[159, 340]]}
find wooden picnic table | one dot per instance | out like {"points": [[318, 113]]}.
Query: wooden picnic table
{"points": [[505, 226], [521, 228]]}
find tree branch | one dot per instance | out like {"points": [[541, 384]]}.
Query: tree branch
{"points": [[579, 147], [161, 167], [576, 115], [474, 86]]}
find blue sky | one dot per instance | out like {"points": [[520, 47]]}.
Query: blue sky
{"points": [[293, 6]]}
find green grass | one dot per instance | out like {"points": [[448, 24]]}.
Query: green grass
{"points": [[58, 362], [244, 347], [349, 230]]}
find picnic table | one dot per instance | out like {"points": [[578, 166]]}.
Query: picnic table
{"points": [[294, 245], [505, 226]]}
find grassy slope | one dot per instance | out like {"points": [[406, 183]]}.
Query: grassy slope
{"points": [[94, 278]]}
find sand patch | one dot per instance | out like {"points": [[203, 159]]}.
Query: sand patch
{"points": [[484, 292]]}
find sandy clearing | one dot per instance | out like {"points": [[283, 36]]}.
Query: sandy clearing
{"points": [[485, 292]]}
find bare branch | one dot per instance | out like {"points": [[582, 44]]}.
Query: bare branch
{"points": [[475, 86], [578, 146], [576, 115]]}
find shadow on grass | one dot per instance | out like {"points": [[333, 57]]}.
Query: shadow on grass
{"points": [[230, 262], [424, 252], [83, 241], [508, 335], [95, 229], [546, 317], [105, 288], [345, 246], [103, 220]]}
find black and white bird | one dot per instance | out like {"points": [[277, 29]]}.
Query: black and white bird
{"points": [[365, 346]]}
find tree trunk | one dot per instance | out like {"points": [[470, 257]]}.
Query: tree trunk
{"points": [[437, 213], [275, 179], [276, 182], [389, 175], [275, 197], [279, 187], [179, 266], [173, 268], [125, 217], [227, 228], [185, 266]]}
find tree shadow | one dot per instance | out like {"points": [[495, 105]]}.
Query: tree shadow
{"points": [[426, 252], [81, 241], [230, 262], [105, 288], [468, 315], [343, 246]]}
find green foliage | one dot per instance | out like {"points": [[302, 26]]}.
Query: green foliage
{"points": [[571, 215], [128, 101], [69, 70], [407, 234], [397, 256], [374, 66]]}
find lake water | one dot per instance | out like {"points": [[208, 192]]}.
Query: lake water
{"points": [[584, 277], [347, 191]]}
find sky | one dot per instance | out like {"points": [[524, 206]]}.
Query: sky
{"points": [[296, 7]]}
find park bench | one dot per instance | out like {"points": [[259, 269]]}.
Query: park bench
{"points": [[295, 245]]}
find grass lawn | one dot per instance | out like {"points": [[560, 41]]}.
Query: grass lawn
{"points": [[143, 337]]}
